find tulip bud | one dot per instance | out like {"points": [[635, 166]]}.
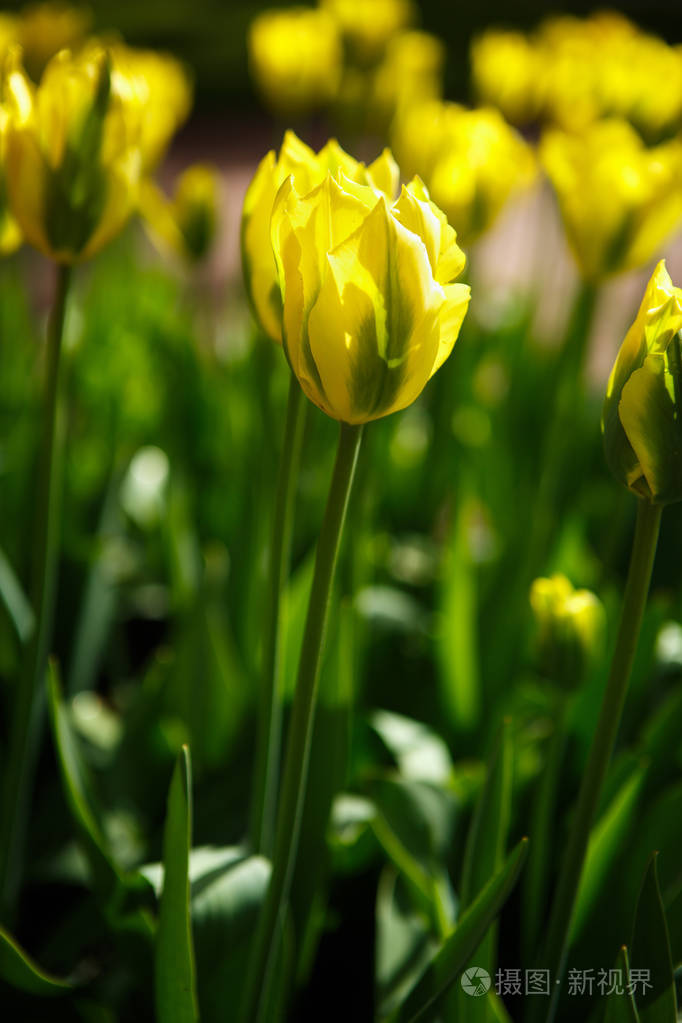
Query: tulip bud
{"points": [[306, 169], [186, 224], [570, 628], [641, 420], [72, 172], [369, 313], [367, 28]]}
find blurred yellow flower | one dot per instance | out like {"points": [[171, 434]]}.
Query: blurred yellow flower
{"points": [[46, 28], [72, 168], [367, 27], [642, 416], [571, 625], [472, 161], [506, 72], [411, 71], [307, 169], [295, 57], [9, 31], [186, 224], [158, 93], [573, 71], [10, 235], [369, 313], [619, 200]]}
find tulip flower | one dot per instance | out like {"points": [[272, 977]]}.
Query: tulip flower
{"points": [[43, 29], [187, 223], [295, 57], [307, 169], [619, 201], [72, 168], [368, 27], [10, 235], [507, 70], [411, 71], [157, 89], [369, 313], [471, 160], [641, 417]]}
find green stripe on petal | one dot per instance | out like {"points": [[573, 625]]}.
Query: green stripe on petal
{"points": [[374, 329]]}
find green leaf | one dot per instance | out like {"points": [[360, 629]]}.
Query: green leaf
{"points": [[421, 754], [620, 1006], [19, 970], [78, 792], [484, 854], [651, 952], [457, 950], [606, 841], [15, 600], [457, 635], [404, 944], [175, 982], [674, 918]]}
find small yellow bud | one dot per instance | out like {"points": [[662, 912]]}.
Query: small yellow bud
{"points": [[368, 27], [570, 625], [642, 416], [187, 223]]}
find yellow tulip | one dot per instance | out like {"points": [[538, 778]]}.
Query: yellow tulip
{"points": [[307, 169], [157, 89], [618, 200], [295, 56], [72, 169], [369, 313], [411, 71], [46, 28], [368, 27], [471, 160], [507, 71], [10, 235], [187, 224], [571, 626], [642, 416]]}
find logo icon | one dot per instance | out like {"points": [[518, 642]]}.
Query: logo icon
{"points": [[476, 981]]}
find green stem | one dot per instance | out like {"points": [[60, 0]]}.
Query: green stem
{"points": [[27, 715], [265, 952], [634, 602], [268, 740]]}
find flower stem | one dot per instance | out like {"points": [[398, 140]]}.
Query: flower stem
{"points": [[634, 602], [268, 741], [267, 941], [27, 714]]}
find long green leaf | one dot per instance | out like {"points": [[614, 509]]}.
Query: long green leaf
{"points": [[605, 842], [19, 970], [457, 950], [620, 1006], [15, 600], [77, 790], [651, 952], [175, 981]]}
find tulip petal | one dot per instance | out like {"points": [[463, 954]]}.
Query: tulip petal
{"points": [[452, 314], [304, 229], [384, 175], [258, 262], [374, 328], [647, 413], [26, 176]]}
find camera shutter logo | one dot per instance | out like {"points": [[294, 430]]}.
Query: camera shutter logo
{"points": [[476, 981]]}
